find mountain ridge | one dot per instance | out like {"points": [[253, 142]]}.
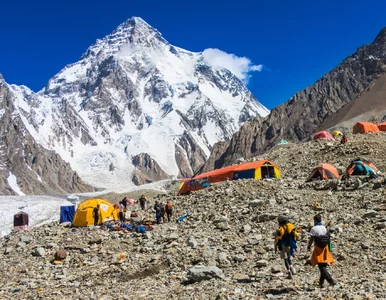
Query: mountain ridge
{"points": [[133, 94], [304, 113]]}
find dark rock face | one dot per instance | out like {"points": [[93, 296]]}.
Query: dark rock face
{"points": [[305, 112], [147, 169], [38, 170]]}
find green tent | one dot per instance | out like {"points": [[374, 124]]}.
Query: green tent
{"points": [[283, 142]]}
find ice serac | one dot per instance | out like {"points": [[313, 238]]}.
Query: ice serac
{"points": [[25, 166], [353, 91], [132, 94]]}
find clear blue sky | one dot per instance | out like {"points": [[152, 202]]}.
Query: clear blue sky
{"points": [[297, 41]]}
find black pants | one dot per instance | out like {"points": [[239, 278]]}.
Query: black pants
{"points": [[122, 216], [324, 274], [96, 219], [169, 215]]}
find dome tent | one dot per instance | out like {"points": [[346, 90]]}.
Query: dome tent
{"points": [[258, 170], [382, 126], [362, 166], [323, 171], [323, 135], [283, 142], [84, 214], [365, 127], [336, 133]]}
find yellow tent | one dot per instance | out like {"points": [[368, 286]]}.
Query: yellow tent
{"points": [[336, 133], [84, 214]]}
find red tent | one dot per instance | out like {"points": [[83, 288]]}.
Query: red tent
{"points": [[323, 135]]}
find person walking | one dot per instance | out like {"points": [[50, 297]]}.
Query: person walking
{"points": [[158, 211], [285, 240], [96, 213], [321, 255], [169, 210]]}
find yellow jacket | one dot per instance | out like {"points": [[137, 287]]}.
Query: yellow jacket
{"points": [[288, 228]]}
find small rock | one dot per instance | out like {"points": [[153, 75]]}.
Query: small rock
{"points": [[173, 236], [247, 228], [199, 272], [239, 257], [276, 269], [256, 203], [261, 263], [239, 276], [26, 239], [96, 240], [8, 250], [192, 243], [370, 214], [61, 254], [39, 251]]}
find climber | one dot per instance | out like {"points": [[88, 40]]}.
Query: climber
{"points": [[169, 210], [285, 240], [158, 207], [321, 255], [142, 202]]}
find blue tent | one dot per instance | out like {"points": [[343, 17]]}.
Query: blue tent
{"points": [[67, 213]]}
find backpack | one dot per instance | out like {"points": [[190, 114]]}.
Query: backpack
{"points": [[322, 240], [168, 207], [288, 235]]}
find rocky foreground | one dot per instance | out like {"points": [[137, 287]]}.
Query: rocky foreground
{"points": [[224, 250]]}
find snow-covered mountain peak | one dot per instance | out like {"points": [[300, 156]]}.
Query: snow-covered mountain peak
{"points": [[137, 109], [134, 33]]}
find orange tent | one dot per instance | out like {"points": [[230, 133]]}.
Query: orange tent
{"points": [[323, 171], [257, 170], [382, 126], [364, 127]]}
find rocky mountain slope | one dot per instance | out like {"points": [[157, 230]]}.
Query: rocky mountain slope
{"points": [[26, 164], [225, 249], [354, 89], [135, 108]]}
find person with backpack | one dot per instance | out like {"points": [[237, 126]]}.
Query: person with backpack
{"points": [[142, 202], [158, 207], [169, 210], [285, 240], [321, 255]]}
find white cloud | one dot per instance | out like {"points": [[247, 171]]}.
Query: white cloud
{"points": [[240, 66]]}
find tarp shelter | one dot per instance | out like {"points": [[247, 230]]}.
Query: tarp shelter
{"points": [[257, 170], [382, 126], [365, 127], [323, 135], [20, 221], [84, 214], [361, 166], [336, 133], [323, 171], [67, 213], [282, 142]]}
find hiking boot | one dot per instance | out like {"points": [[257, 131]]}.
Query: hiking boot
{"points": [[289, 275]]}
